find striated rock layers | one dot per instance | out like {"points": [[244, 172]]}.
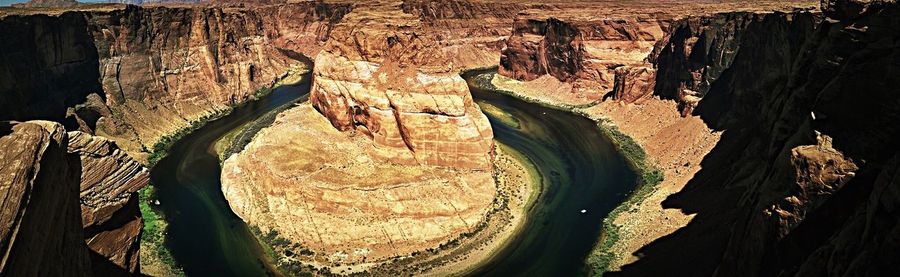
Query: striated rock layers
{"points": [[803, 181], [389, 80], [592, 54], [602, 50], [110, 216], [317, 187], [43, 231], [153, 70]]}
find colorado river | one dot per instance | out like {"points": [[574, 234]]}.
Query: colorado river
{"points": [[205, 237], [580, 170]]}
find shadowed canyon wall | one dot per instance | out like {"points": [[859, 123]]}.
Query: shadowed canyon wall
{"points": [[130, 76], [801, 179], [154, 71]]}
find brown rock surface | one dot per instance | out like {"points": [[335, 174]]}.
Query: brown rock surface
{"points": [[800, 183], [110, 216], [40, 230], [317, 186], [590, 45], [390, 80], [156, 70]]}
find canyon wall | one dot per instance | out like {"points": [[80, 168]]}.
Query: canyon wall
{"points": [[130, 76], [587, 52], [110, 216], [396, 85], [802, 177], [136, 74], [802, 104]]}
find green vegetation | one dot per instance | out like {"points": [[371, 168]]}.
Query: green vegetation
{"points": [[602, 255], [283, 253], [650, 175], [153, 234], [162, 146]]}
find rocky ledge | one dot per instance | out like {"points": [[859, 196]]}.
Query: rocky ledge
{"points": [[43, 230]]}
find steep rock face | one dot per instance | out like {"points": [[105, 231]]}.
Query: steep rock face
{"points": [[303, 27], [469, 33], [162, 68], [49, 64], [153, 70], [397, 86], [40, 230], [803, 178], [110, 216], [44, 232], [699, 50], [589, 52]]}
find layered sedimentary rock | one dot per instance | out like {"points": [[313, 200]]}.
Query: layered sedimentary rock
{"points": [[44, 231], [700, 50], [40, 230], [153, 70], [391, 81], [597, 50], [317, 187], [803, 177], [590, 53], [110, 216], [469, 33]]}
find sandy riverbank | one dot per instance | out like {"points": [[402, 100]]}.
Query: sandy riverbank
{"points": [[672, 143]]}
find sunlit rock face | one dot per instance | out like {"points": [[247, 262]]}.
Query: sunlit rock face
{"points": [[591, 55], [137, 74], [40, 230], [110, 216], [397, 86], [49, 172]]}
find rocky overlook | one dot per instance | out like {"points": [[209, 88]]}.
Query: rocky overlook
{"points": [[44, 230]]}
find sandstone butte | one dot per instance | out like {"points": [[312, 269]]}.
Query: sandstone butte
{"points": [[412, 170], [773, 162]]}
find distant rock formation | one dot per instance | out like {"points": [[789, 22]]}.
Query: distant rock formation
{"points": [[47, 4]]}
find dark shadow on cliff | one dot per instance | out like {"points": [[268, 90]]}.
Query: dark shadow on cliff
{"points": [[43, 76], [695, 249], [842, 86]]}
